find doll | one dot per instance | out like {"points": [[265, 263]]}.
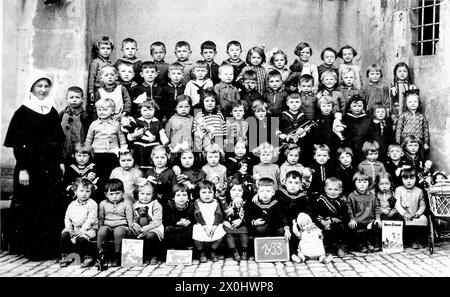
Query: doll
{"points": [[311, 240], [129, 125], [338, 127]]}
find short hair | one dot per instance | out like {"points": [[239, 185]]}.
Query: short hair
{"points": [[249, 75], [321, 147], [265, 147], [374, 67], [359, 175], [84, 182], [124, 63], [83, 148], [235, 104], [149, 103], [329, 49], [375, 106], [235, 43], [206, 184], [266, 182], [102, 40], [208, 45], [148, 65], [200, 64], [180, 188], [345, 150], [274, 73], [209, 92], [147, 184], [293, 174], [327, 99], [341, 51], [235, 181], [402, 64], [409, 172], [158, 149], [113, 184], [106, 102], [356, 98], [293, 96], [181, 44], [129, 40], [105, 67], [175, 66], [333, 180], [292, 147], [126, 152], [301, 46], [411, 139], [182, 98], [226, 66], [259, 105], [307, 78], [382, 175], [258, 50], [413, 92], [328, 73], [156, 44], [345, 70], [76, 89], [370, 147], [278, 52], [394, 145], [215, 148]]}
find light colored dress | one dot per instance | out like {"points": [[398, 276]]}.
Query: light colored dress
{"points": [[208, 212], [311, 245]]}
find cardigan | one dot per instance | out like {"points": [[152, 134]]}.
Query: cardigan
{"points": [[115, 214], [82, 217], [364, 208], [227, 94], [105, 135]]}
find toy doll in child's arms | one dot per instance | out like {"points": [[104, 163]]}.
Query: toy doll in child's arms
{"points": [[137, 130], [338, 126], [203, 134]]}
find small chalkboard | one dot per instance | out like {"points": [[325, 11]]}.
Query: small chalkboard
{"points": [[177, 257], [271, 249], [132, 252]]}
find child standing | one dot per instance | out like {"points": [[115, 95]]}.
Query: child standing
{"points": [[153, 232], [115, 218], [150, 135], [332, 214], [395, 164], [249, 94], [347, 83], [402, 83], [347, 54], [208, 217], [209, 125], [371, 166], [375, 90], [262, 124], [275, 95], [111, 90], [278, 61], [129, 49], [105, 137], [182, 52], [195, 87], [80, 224], [189, 172], [236, 127], [307, 96], [227, 93], [234, 50], [364, 213], [412, 121], [128, 174], [411, 205], [240, 153], [126, 75], [304, 51], [179, 126], [178, 218], [216, 172], [358, 125], [381, 129], [208, 52], [101, 50], [173, 88], [255, 59], [292, 162], [74, 120], [158, 52], [329, 87], [412, 157], [328, 57], [386, 197], [266, 169], [322, 169], [291, 119], [234, 223], [345, 169]]}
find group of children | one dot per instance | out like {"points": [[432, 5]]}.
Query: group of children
{"points": [[191, 154]]}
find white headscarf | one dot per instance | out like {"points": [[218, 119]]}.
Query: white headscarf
{"points": [[43, 106]]}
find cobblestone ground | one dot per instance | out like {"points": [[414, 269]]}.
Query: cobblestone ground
{"points": [[409, 263]]}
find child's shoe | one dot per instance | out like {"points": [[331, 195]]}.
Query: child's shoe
{"points": [[236, 256], [340, 252], [88, 261], [154, 261], [296, 259], [116, 260], [203, 258], [363, 249], [214, 257], [414, 245], [244, 256], [370, 247], [325, 259], [64, 262], [101, 261]]}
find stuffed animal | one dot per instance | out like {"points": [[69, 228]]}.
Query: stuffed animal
{"points": [[311, 240], [142, 219]]}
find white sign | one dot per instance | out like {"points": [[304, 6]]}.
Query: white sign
{"points": [[177, 257], [392, 236], [132, 252]]}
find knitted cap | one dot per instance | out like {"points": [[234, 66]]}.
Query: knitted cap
{"points": [[303, 217]]}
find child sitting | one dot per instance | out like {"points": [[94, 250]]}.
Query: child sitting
{"points": [[234, 50], [80, 224], [115, 218], [371, 166], [332, 214], [364, 214], [292, 154], [74, 120], [347, 83], [386, 197], [328, 57], [375, 90], [179, 126], [234, 223], [307, 96], [158, 52], [249, 94], [208, 52], [266, 169], [311, 240], [152, 229], [275, 95], [195, 87], [216, 172], [178, 218], [182, 52], [266, 215], [411, 205], [208, 217], [345, 169], [128, 174], [225, 90], [129, 49], [395, 164]]}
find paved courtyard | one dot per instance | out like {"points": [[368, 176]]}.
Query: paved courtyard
{"points": [[409, 263]]}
